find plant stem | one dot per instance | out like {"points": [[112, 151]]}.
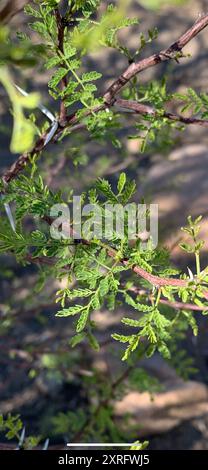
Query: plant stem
{"points": [[61, 29], [198, 267], [158, 297]]}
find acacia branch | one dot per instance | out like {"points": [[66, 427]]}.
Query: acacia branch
{"points": [[109, 100], [109, 96], [61, 28], [22, 161], [142, 109], [153, 279], [177, 305], [172, 52], [112, 253]]}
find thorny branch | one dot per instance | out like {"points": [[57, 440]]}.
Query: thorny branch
{"points": [[172, 52], [142, 109], [109, 96], [153, 279], [173, 304], [61, 28]]}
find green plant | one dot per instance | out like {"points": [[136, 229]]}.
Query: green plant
{"points": [[12, 426], [104, 272]]}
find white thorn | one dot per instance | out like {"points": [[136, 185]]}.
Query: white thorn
{"points": [[46, 444], [190, 274], [23, 92], [47, 113], [42, 108], [22, 438], [10, 216], [51, 133]]}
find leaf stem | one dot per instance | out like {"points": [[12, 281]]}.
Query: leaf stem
{"points": [[198, 266]]}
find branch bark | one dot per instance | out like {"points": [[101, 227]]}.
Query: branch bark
{"points": [[174, 51], [109, 100], [153, 279], [61, 28], [177, 305], [109, 96], [142, 109]]}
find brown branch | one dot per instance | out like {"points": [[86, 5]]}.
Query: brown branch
{"points": [[134, 106], [110, 95], [153, 279], [171, 52], [39, 260], [22, 161], [61, 29], [177, 305], [180, 306], [156, 280], [142, 109], [109, 100]]}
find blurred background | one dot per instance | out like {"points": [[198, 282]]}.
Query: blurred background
{"points": [[50, 385]]}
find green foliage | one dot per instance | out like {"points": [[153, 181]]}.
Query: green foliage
{"points": [[71, 422], [197, 103], [12, 426], [153, 125], [154, 326], [100, 277], [139, 445], [86, 35], [99, 421], [193, 230], [97, 274]]}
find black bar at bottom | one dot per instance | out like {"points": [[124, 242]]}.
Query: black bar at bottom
{"points": [[94, 459]]}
